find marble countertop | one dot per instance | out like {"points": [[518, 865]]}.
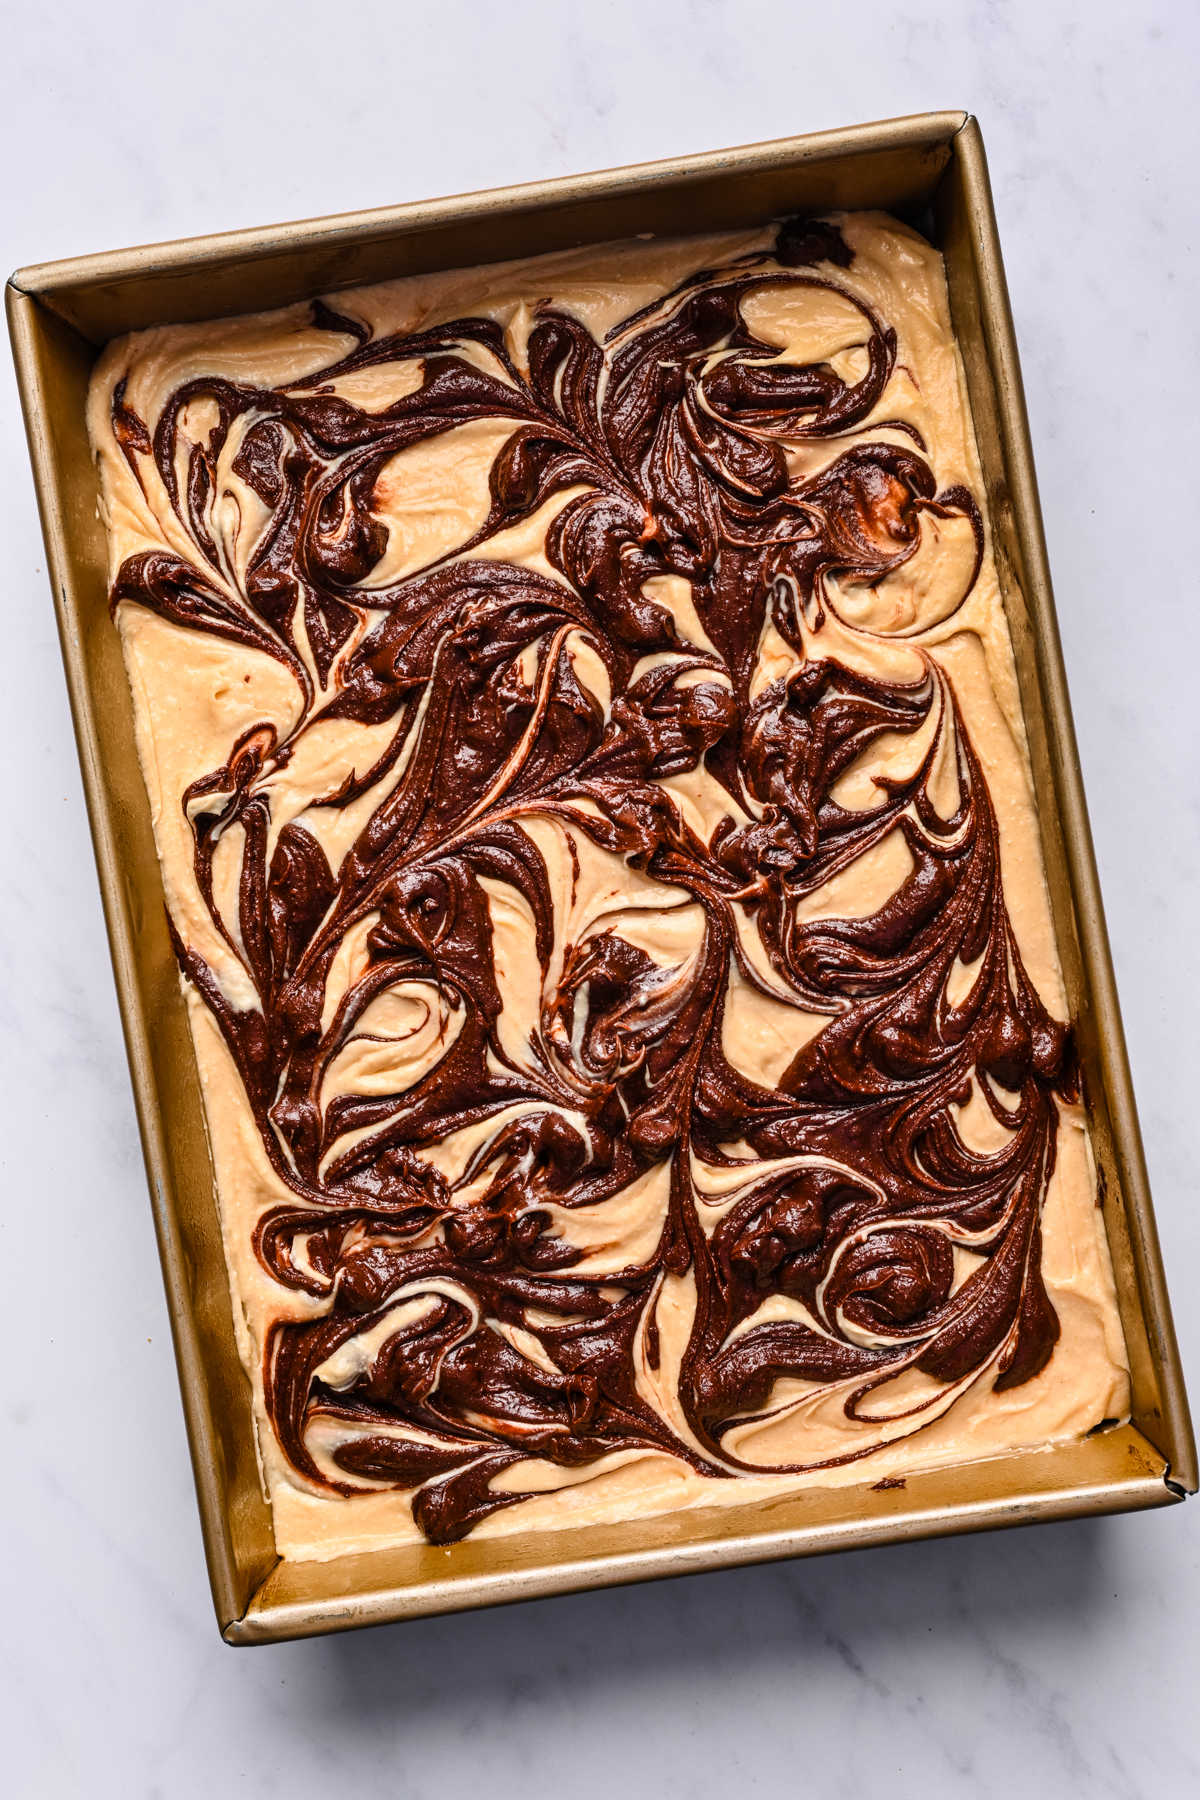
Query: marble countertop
{"points": [[1060, 1658]]}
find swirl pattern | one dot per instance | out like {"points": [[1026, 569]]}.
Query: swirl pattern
{"points": [[604, 1129]]}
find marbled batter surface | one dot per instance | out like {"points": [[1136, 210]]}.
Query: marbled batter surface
{"points": [[588, 772]]}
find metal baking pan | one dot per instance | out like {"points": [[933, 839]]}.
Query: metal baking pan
{"points": [[929, 169]]}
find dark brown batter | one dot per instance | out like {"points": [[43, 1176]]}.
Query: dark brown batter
{"points": [[671, 437]]}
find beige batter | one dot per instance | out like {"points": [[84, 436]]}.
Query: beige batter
{"points": [[195, 694]]}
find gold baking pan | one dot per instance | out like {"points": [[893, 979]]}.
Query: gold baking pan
{"points": [[929, 169]]}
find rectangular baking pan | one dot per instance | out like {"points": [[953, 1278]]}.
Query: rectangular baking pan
{"points": [[928, 169]]}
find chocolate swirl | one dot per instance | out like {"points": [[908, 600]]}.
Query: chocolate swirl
{"points": [[467, 1300]]}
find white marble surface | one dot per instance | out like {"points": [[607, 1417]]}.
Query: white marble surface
{"points": [[1059, 1659]]}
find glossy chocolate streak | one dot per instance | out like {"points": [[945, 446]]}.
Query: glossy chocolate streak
{"points": [[452, 1331]]}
